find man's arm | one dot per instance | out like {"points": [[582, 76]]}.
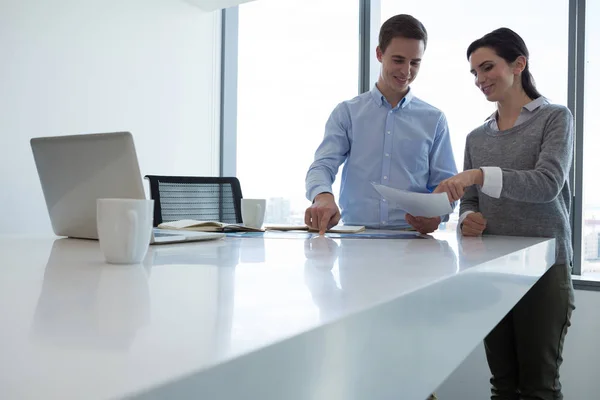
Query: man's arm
{"points": [[469, 203], [470, 222], [441, 166], [324, 213], [330, 154], [441, 158]]}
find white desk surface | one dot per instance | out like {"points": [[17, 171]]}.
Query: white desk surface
{"points": [[254, 318]]}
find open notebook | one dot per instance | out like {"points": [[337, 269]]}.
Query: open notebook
{"points": [[335, 229], [206, 226]]}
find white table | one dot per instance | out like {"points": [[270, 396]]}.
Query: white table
{"points": [[254, 318]]}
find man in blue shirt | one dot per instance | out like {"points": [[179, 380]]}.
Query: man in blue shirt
{"points": [[386, 136]]}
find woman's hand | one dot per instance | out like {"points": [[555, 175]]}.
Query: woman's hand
{"points": [[455, 186], [474, 224]]}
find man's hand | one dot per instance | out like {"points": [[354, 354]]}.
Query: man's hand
{"points": [[474, 224], [456, 185], [323, 214], [423, 224]]}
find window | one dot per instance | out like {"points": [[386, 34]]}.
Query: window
{"points": [[444, 80], [297, 61], [591, 162]]}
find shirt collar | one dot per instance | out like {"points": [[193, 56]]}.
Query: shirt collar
{"points": [[535, 104], [531, 107], [380, 98]]}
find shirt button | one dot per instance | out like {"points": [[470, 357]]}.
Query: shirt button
{"points": [[387, 154], [384, 200], [382, 222], [385, 177], [388, 132]]}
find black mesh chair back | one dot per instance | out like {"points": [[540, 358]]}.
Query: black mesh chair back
{"points": [[199, 198]]}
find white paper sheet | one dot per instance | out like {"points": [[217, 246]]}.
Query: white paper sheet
{"points": [[417, 204]]}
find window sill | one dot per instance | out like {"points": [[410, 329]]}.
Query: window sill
{"points": [[586, 282]]}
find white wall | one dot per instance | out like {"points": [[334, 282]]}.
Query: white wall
{"points": [[69, 66], [579, 371]]}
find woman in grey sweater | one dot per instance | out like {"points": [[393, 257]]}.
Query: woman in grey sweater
{"points": [[515, 182]]}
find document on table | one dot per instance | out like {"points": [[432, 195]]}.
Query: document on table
{"points": [[417, 204]]}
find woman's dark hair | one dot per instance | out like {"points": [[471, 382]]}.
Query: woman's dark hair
{"points": [[508, 45], [401, 25]]}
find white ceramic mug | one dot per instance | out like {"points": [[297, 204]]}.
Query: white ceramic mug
{"points": [[124, 229], [253, 212]]}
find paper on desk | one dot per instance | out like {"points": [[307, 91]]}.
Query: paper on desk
{"points": [[417, 204]]}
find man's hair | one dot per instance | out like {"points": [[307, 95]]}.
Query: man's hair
{"points": [[401, 25]]}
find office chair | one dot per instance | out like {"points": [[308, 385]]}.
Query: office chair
{"points": [[199, 198]]}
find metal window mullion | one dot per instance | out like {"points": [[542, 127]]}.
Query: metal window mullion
{"points": [[575, 103], [229, 95], [369, 21], [364, 29]]}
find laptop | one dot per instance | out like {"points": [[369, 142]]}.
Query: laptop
{"points": [[76, 170]]}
